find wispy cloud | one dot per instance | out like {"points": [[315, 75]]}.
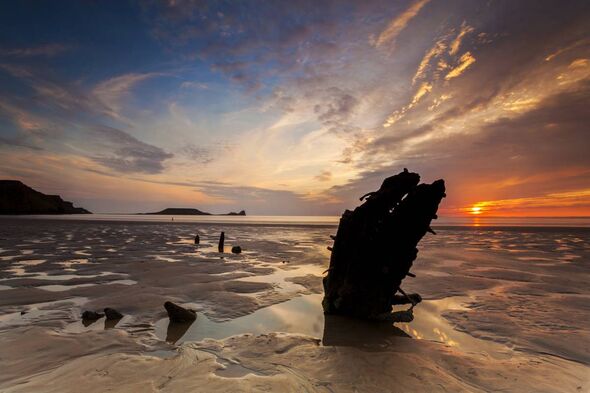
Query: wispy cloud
{"points": [[280, 104], [399, 23], [335, 109], [438, 49], [455, 45], [51, 92], [112, 92], [194, 85], [126, 154], [324, 176], [464, 63], [47, 50], [567, 48]]}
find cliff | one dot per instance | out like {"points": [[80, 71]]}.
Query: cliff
{"points": [[18, 198]]}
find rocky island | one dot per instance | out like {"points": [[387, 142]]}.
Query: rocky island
{"points": [[18, 198], [183, 211]]}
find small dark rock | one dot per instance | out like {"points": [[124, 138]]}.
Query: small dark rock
{"points": [[236, 249], [91, 315], [112, 314], [179, 314], [23, 312], [197, 239]]}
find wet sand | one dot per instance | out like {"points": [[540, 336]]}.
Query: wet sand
{"points": [[504, 310]]}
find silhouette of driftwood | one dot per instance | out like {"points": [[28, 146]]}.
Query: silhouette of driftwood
{"points": [[375, 247], [220, 245]]}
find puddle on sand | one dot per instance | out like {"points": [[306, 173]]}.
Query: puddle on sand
{"points": [[162, 353], [304, 315], [165, 259], [209, 248], [429, 324], [68, 264], [20, 272], [280, 275], [59, 309], [233, 370], [63, 288], [122, 282], [32, 262]]}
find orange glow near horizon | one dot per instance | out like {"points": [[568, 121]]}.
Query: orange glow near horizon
{"points": [[476, 210], [572, 203]]}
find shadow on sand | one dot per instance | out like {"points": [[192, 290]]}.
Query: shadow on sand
{"points": [[351, 332]]}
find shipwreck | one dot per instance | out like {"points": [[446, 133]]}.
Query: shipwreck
{"points": [[376, 245]]}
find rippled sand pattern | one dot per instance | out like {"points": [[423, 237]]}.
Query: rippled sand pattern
{"points": [[505, 309]]}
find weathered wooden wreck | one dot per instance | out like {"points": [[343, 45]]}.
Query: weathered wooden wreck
{"points": [[376, 245]]}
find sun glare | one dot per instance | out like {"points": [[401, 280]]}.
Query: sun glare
{"points": [[476, 210]]}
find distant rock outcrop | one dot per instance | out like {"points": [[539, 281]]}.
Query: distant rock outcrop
{"points": [[186, 211], [182, 211], [18, 198]]}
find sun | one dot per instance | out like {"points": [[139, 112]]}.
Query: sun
{"points": [[476, 210]]}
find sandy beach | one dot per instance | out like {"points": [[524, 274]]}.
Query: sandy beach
{"points": [[505, 309]]}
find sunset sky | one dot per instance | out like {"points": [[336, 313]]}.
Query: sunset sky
{"points": [[297, 107]]}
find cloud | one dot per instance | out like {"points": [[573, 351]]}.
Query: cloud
{"points": [[464, 63], [308, 103], [438, 49], [399, 23], [113, 91], [528, 155], [424, 89], [335, 109], [259, 200], [324, 176], [47, 50], [567, 48], [23, 119], [194, 85], [18, 141], [454, 47], [126, 154], [198, 154], [52, 93]]}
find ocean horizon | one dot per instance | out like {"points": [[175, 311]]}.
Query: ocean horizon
{"points": [[475, 221]]}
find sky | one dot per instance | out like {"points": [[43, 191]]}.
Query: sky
{"points": [[297, 107]]}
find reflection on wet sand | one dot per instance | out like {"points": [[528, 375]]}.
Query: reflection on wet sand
{"points": [[350, 332], [111, 323], [88, 322], [520, 299], [302, 315], [176, 330]]}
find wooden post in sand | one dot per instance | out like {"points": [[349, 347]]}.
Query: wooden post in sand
{"points": [[375, 246], [221, 242]]}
